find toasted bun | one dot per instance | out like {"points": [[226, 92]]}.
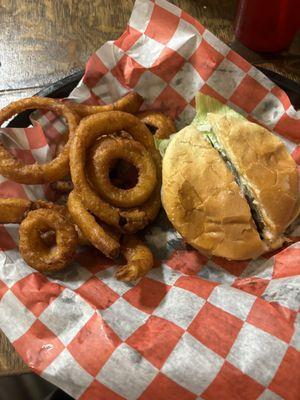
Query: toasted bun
{"points": [[266, 167], [203, 201]]}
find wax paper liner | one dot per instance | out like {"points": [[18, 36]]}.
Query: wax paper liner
{"points": [[193, 328]]}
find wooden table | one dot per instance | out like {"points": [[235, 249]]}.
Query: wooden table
{"points": [[45, 40]]}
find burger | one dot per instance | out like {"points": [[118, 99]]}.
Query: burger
{"points": [[230, 187]]}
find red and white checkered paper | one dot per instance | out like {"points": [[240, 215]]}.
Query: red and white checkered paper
{"points": [[193, 328]]}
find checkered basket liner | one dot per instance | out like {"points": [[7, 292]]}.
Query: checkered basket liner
{"points": [[193, 328]]}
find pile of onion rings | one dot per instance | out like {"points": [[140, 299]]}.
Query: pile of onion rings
{"points": [[106, 173]]}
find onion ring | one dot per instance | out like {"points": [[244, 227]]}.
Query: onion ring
{"points": [[129, 103], [62, 186], [60, 143], [139, 259], [90, 129], [133, 220], [163, 124], [90, 228], [49, 238], [140, 217], [82, 240], [38, 204], [102, 157], [65, 185], [13, 211], [33, 174], [34, 250], [152, 206]]}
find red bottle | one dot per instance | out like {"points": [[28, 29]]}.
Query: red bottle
{"points": [[267, 25]]}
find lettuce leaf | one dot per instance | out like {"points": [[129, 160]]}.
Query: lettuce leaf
{"points": [[204, 104]]}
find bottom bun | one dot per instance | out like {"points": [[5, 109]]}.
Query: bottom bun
{"points": [[204, 202]]}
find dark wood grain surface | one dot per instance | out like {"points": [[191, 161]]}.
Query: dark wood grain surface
{"points": [[42, 41]]}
